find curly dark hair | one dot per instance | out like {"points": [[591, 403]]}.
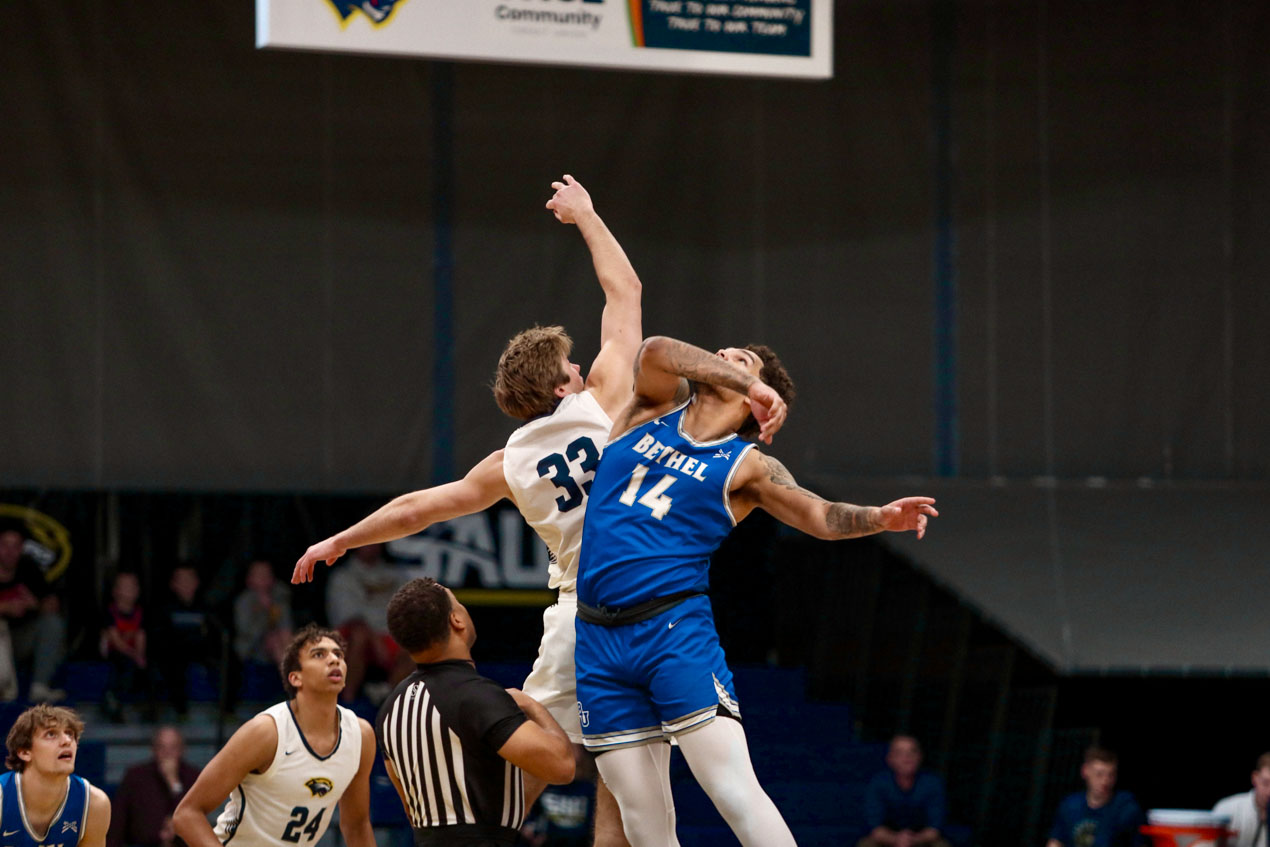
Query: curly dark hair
{"points": [[291, 656], [419, 614], [775, 375]]}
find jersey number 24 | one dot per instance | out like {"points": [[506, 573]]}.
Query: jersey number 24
{"points": [[296, 828]]}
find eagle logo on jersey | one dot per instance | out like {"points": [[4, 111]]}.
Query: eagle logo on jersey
{"points": [[377, 11], [320, 786]]}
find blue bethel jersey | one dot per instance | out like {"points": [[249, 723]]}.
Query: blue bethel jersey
{"points": [[67, 827], [657, 511]]}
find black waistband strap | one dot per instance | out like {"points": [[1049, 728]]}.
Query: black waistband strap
{"points": [[605, 616], [464, 834]]}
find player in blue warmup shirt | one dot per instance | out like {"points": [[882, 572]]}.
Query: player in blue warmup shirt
{"points": [[42, 802], [672, 482]]}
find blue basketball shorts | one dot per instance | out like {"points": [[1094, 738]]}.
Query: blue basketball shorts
{"points": [[642, 682]]}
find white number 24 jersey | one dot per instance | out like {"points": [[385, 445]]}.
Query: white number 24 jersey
{"points": [[549, 464], [291, 802]]}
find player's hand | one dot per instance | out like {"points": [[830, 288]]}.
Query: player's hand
{"points": [[768, 409], [324, 551], [909, 513], [570, 201]]}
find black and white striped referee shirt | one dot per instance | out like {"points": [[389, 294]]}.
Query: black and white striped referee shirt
{"points": [[441, 730]]}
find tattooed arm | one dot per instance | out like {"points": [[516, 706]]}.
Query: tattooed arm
{"points": [[764, 483], [666, 368]]}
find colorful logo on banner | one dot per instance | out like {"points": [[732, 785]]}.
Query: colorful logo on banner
{"points": [[47, 542], [774, 27], [376, 11]]}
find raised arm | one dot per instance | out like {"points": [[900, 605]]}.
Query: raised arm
{"points": [[664, 369], [621, 327], [250, 748], [355, 804], [764, 483], [483, 486]]}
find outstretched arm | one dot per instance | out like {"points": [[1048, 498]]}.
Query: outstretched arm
{"points": [[483, 486], [621, 325], [665, 368], [764, 483]]}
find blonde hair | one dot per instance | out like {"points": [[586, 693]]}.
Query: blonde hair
{"points": [[529, 372], [35, 718]]}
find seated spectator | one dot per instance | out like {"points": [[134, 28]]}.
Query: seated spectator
{"points": [[262, 616], [357, 598], [33, 616], [1099, 816], [8, 673], [1247, 809], [904, 805], [123, 643], [142, 808], [185, 634]]}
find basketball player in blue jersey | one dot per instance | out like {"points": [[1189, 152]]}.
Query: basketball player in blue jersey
{"points": [[673, 481], [42, 802], [546, 467]]}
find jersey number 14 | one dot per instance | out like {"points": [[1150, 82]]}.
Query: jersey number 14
{"points": [[654, 498]]}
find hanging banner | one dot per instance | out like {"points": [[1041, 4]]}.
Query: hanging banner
{"points": [[790, 38]]}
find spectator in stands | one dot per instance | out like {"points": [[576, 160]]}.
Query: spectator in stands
{"points": [[33, 615], [1247, 810], [8, 673], [123, 643], [143, 805], [904, 806], [262, 616], [357, 598], [185, 634], [1099, 816]]}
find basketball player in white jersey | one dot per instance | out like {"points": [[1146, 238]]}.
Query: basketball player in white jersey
{"points": [[286, 768], [546, 467]]}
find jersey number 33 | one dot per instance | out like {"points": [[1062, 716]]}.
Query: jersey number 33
{"points": [[582, 455]]}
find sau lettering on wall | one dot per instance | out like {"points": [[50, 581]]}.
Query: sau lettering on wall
{"points": [[490, 549]]}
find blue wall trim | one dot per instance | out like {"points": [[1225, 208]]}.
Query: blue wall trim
{"points": [[442, 74]]}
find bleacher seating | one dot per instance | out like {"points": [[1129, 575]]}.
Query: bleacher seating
{"points": [[872, 632], [806, 757]]}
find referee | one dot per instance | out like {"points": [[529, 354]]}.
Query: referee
{"points": [[455, 742]]}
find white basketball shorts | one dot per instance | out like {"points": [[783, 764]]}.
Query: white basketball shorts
{"points": [[552, 682]]}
